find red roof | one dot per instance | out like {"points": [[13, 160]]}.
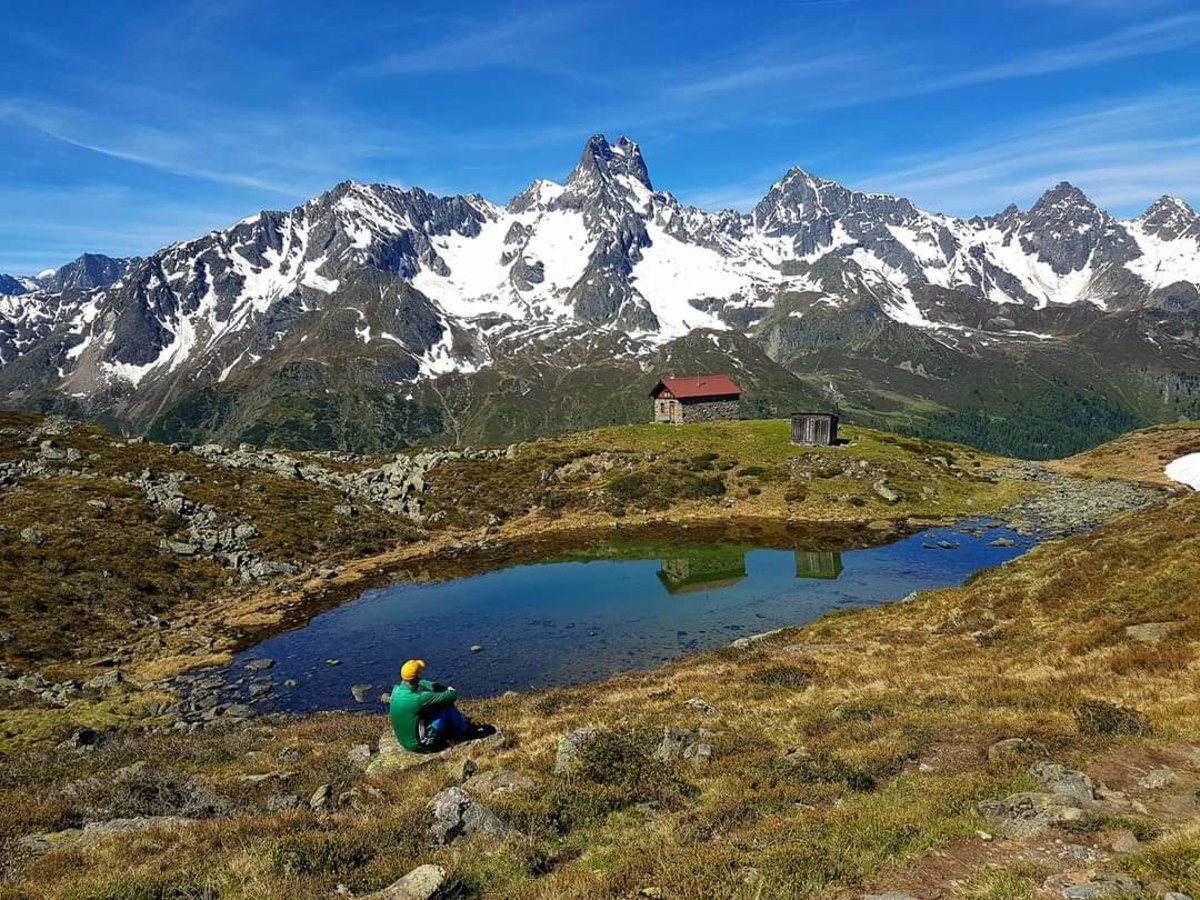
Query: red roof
{"points": [[693, 386]]}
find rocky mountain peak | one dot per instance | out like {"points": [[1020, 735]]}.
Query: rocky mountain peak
{"points": [[1170, 218], [10, 285], [603, 162], [1067, 230], [92, 270], [1063, 197]]}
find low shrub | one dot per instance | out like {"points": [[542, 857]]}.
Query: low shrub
{"points": [[1099, 717]]}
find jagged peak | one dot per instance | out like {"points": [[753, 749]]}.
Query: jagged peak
{"points": [[1062, 195], [605, 160], [1166, 205], [540, 192]]}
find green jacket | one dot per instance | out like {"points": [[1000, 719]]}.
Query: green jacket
{"points": [[409, 705]]}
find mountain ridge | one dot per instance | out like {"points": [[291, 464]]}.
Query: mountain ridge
{"points": [[372, 294]]}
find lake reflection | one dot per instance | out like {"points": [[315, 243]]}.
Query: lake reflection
{"points": [[607, 608]]}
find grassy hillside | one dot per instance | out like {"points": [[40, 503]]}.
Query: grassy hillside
{"points": [[848, 756], [85, 575], [1138, 456]]}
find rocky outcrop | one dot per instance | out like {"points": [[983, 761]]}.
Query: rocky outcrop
{"points": [[458, 815]]}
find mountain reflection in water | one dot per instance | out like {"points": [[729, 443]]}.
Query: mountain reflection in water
{"points": [[600, 609]]}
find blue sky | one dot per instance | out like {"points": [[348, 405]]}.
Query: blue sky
{"points": [[130, 125]]}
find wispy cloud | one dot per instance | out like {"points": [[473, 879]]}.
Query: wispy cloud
{"points": [[507, 42], [1123, 155], [287, 151], [1145, 39], [787, 82]]}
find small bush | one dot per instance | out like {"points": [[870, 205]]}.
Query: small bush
{"points": [[696, 488], [1099, 717], [784, 676], [612, 772], [751, 471], [320, 853], [821, 767], [797, 493]]}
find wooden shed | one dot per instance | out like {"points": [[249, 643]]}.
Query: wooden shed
{"points": [[814, 429]]}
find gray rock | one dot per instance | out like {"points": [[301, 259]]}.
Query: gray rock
{"points": [[320, 797], [1157, 779], [457, 815], [259, 665], [1152, 632], [691, 745], [886, 492], [421, 883], [359, 756], [1029, 813], [31, 536], [1070, 785], [105, 682], [1103, 885], [702, 707], [359, 692], [570, 747]]}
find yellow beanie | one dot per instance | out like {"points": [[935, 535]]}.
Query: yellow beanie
{"points": [[411, 669]]}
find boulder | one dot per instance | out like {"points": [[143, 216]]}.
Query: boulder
{"points": [[321, 797], [1157, 779], [394, 758], [1151, 632], [359, 756], [106, 682], [886, 492], [1029, 813], [31, 536], [691, 745], [1067, 785], [419, 884], [458, 815]]}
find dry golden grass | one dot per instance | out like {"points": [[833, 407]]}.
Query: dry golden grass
{"points": [[1137, 456]]}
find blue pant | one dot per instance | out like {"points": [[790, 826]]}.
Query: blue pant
{"points": [[449, 722]]}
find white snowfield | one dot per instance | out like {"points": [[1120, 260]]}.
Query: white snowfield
{"points": [[1185, 470]]}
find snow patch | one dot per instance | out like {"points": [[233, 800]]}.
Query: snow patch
{"points": [[1185, 470]]}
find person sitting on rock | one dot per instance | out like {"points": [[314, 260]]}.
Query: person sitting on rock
{"points": [[423, 713]]}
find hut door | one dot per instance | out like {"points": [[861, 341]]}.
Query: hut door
{"points": [[674, 412]]}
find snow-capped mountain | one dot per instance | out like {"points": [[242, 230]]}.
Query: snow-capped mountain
{"points": [[408, 296]]}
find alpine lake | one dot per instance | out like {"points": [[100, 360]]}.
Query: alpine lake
{"points": [[506, 622]]}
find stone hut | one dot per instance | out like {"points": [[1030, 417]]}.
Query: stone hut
{"points": [[695, 398], [814, 429]]}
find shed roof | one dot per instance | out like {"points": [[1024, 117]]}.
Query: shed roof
{"points": [[698, 386]]}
